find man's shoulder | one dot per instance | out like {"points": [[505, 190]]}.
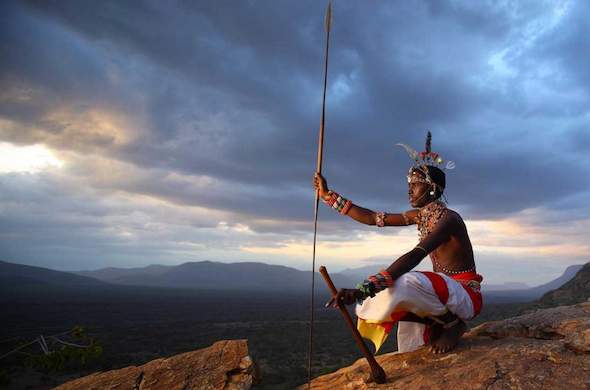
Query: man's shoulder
{"points": [[454, 215]]}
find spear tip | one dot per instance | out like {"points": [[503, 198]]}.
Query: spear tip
{"points": [[328, 19]]}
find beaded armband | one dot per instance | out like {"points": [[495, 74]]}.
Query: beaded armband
{"points": [[380, 219], [375, 283], [338, 203], [405, 217], [422, 249]]}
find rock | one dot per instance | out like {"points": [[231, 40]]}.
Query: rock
{"points": [[570, 323], [546, 349], [225, 365]]}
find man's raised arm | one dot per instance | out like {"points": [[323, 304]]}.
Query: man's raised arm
{"points": [[369, 217], [358, 213]]}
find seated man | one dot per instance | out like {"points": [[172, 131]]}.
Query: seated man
{"points": [[431, 307]]}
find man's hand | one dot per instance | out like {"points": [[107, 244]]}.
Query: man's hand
{"points": [[319, 183], [346, 296]]}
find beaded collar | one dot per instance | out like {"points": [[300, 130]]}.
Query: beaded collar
{"points": [[428, 217]]}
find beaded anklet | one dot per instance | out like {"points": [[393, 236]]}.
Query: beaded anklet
{"points": [[338, 203], [375, 283]]}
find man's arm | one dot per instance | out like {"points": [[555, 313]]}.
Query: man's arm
{"points": [[369, 217], [445, 227], [363, 215]]}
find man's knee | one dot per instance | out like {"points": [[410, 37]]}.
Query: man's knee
{"points": [[408, 288], [409, 280]]}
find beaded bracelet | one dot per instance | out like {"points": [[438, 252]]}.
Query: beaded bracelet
{"points": [[338, 203], [374, 284]]}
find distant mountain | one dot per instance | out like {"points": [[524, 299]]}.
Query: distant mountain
{"points": [[19, 275], [567, 275], [528, 294], [249, 276], [126, 275], [207, 275], [574, 291], [505, 286], [253, 276]]}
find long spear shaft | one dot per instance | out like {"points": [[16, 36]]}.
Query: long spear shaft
{"points": [[328, 25]]}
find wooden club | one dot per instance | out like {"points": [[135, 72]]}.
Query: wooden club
{"points": [[377, 373]]}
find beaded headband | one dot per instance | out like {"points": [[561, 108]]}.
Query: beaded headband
{"points": [[424, 159]]}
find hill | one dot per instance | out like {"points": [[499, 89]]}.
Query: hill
{"points": [[248, 276], [574, 291], [497, 294], [18, 275], [567, 275]]}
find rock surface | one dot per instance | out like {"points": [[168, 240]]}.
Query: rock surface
{"points": [[224, 365], [546, 349]]}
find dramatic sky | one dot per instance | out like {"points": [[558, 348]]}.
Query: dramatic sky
{"points": [[134, 133]]}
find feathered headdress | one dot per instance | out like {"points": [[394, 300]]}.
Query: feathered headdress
{"points": [[426, 158]]}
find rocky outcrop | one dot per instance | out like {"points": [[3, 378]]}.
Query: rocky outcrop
{"points": [[568, 324], [545, 349], [225, 365]]}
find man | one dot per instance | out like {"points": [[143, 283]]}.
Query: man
{"points": [[431, 307]]}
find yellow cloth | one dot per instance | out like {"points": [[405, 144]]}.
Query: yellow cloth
{"points": [[373, 331]]}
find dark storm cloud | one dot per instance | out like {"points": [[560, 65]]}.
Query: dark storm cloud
{"points": [[232, 91]]}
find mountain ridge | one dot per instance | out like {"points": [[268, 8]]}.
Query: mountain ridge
{"points": [[238, 276], [576, 290], [14, 273], [206, 275]]}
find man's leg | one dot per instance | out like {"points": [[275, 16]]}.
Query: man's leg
{"points": [[411, 317], [435, 329], [417, 293]]}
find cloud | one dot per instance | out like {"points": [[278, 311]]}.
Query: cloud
{"points": [[214, 107]]}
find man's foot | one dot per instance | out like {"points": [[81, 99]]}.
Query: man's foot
{"points": [[448, 337], [435, 332]]}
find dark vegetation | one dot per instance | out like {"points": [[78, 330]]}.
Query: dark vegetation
{"points": [[134, 325]]}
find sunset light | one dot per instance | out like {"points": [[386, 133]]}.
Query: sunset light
{"points": [[27, 159], [179, 178]]}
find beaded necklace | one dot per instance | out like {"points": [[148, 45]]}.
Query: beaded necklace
{"points": [[428, 217]]}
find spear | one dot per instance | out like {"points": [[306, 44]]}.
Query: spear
{"points": [[377, 373], [328, 26]]}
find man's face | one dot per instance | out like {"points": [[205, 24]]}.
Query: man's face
{"points": [[418, 194]]}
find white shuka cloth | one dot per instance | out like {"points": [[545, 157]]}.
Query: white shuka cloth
{"points": [[426, 294]]}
